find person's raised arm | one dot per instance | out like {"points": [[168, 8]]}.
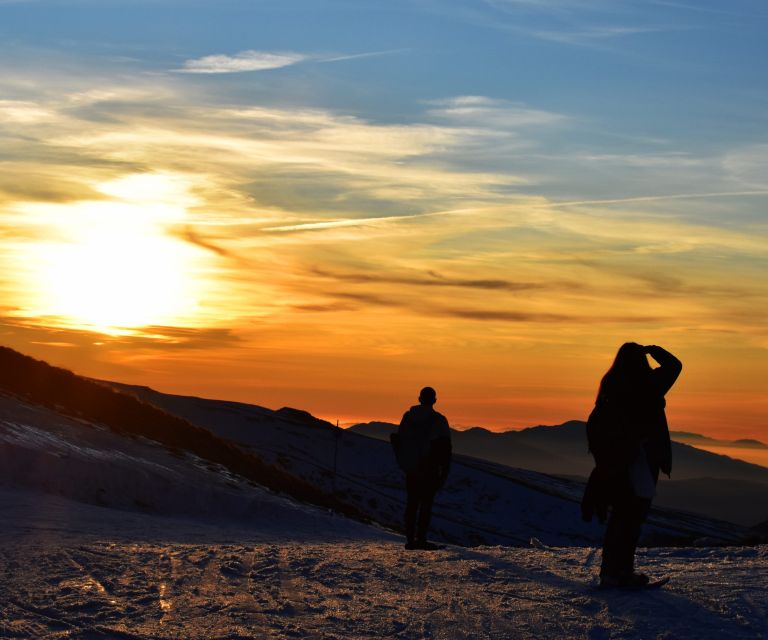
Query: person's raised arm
{"points": [[669, 367]]}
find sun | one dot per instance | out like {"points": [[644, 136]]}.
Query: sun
{"points": [[113, 265]]}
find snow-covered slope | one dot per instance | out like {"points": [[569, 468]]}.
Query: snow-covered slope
{"points": [[50, 463], [482, 503]]}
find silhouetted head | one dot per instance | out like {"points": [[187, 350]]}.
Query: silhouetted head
{"points": [[427, 396], [629, 371]]}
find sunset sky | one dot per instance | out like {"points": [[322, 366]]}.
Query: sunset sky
{"points": [[328, 204]]}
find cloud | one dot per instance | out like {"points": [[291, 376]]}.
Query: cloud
{"points": [[368, 298], [300, 160], [748, 165], [728, 11], [436, 309], [324, 308], [334, 224], [188, 234], [357, 56], [24, 112], [165, 337], [660, 198], [578, 23], [433, 279], [487, 112], [244, 61], [400, 213], [252, 60], [496, 315], [548, 5], [591, 35], [40, 331]]}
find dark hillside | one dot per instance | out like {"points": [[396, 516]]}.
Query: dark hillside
{"points": [[65, 392]]}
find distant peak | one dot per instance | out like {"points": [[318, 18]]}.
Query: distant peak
{"points": [[570, 424], [304, 417], [688, 434], [476, 430], [750, 442]]}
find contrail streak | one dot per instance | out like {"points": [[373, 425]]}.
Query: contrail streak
{"points": [[674, 196], [355, 222]]}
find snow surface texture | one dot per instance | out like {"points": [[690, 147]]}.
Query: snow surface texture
{"points": [[107, 536], [85, 572]]}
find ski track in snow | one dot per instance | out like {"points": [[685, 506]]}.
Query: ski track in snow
{"points": [[368, 589]]}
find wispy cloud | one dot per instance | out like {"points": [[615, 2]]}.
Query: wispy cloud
{"points": [[250, 60], [157, 337], [335, 224], [431, 279], [546, 5], [430, 307], [748, 165], [400, 218], [700, 8], [482, 111], [590, 36], [165, 337], [495, 315], [190, 235], [660, 198], [253, 60], [357, 56], [592, 24]]}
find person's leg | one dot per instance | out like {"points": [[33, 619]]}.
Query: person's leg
{"points": [[412, 487], [621, 538], [425, 515], [616, 535], [639, 512]]}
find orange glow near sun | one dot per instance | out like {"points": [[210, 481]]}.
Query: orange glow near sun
{"points": [[110, 265]]}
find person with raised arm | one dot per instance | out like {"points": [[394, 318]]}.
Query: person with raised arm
{"points": [[629, 438]]}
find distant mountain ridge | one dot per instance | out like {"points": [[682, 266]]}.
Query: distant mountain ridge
{"points": [[562, 450], [482, 503], [697, 438], [703, 482], [130, 447]]}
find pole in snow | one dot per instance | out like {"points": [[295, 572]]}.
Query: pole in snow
{"points": [[336, 438]]}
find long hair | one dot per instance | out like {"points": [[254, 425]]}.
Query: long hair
{"points": [[629, 374]]}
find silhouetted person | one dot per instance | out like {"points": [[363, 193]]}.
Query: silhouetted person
{"points": [[629, 439], [423, 448]]}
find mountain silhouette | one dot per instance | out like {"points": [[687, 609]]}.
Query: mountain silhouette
{"points": [[131, 447], [702, 482]]}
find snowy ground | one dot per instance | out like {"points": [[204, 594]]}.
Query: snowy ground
{"points": [[112, 537], [77, 571]]}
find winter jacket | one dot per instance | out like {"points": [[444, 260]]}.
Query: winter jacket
{"points": [[622, 422], [424, 441]]}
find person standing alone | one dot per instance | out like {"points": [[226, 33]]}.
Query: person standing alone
{"points": [[629, 439], [423, 449]]}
